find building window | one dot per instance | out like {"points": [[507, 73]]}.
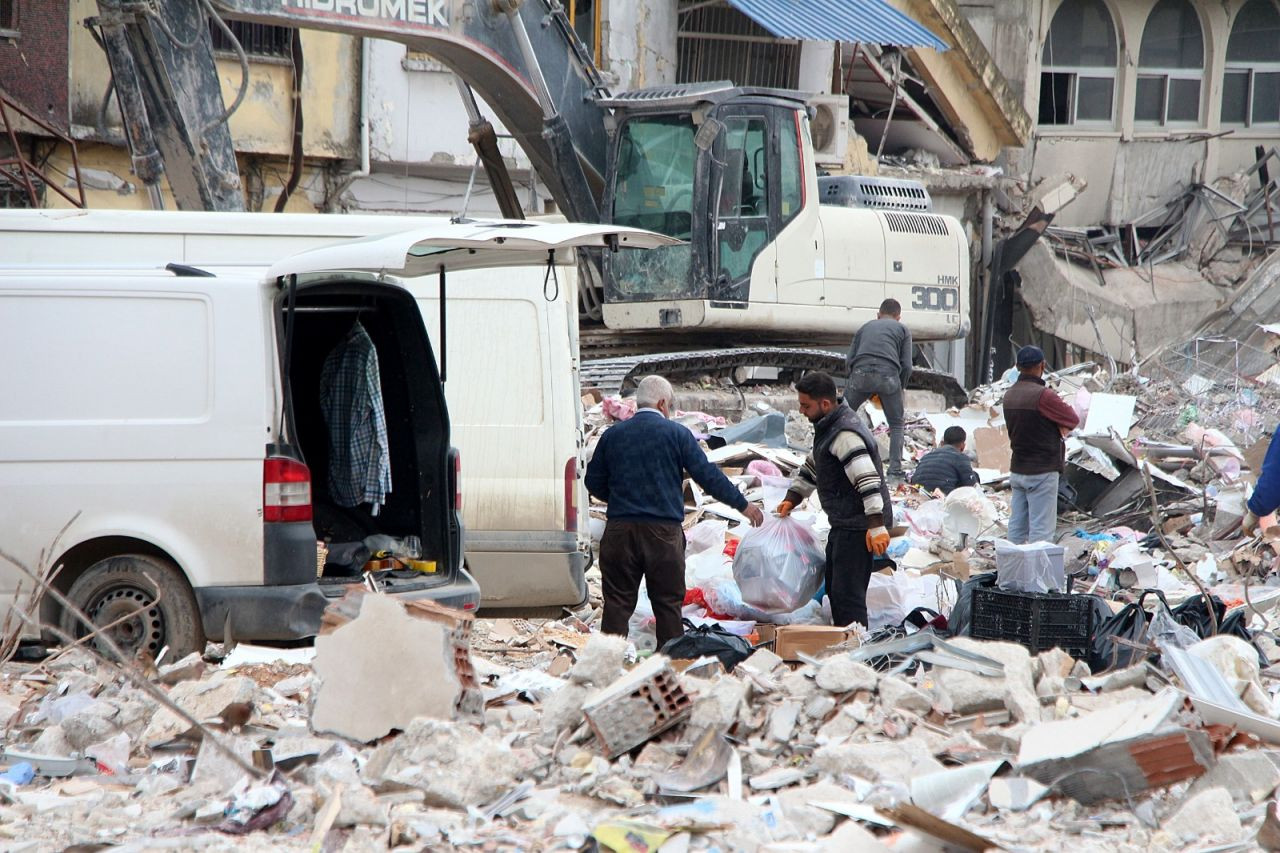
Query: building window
{"points": [[258, 40], [1078, 65], [1170, 66], [9, 15], [1251, 85]]}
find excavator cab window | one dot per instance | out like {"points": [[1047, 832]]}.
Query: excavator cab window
{"points": [[742, 209], [654, 189]]}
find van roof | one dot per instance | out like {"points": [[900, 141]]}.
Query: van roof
{"points": [[273, 245]]}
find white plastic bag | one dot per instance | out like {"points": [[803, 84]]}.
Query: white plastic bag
{"points": [[779, 565], [704, 536], [890, 598], [723, 596]]}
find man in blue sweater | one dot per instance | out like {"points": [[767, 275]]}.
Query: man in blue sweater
{"points": [[1266, 494], [638, 470]]}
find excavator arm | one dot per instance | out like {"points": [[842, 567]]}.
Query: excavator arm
{"points": [[523, 58]]}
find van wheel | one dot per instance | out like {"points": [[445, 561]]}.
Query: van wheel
{"points": [[112, 589]]}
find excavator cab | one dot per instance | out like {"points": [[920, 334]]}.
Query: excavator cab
{"points": [[715, 165]]}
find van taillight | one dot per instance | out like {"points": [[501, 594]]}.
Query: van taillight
{"points": [[571, 496], [457, 481], [286, 490]]}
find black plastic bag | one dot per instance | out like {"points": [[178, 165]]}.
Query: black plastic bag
{"points": [[1130, 626], [708, 641], [958, 623], [1195, 616]]}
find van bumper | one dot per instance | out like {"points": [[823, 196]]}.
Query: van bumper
{"points": [[280, 612], [293, 612], [520, 577]]}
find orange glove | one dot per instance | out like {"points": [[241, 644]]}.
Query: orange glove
{"points": [[878, 541], [784, 509]]}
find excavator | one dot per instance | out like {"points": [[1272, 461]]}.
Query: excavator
{"points": [[774, 264]]}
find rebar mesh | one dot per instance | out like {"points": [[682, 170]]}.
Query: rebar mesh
{"points": [[1218, 383]]}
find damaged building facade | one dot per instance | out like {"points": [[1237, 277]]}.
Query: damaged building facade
{"points": [[52, 66], [1159, 119]]}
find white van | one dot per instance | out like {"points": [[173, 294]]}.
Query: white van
{"points": [[515, 403], [162, 427]]}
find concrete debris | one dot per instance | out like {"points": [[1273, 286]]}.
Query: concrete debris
{"points": [[382, 670], [414, 727], [1209, 816]]}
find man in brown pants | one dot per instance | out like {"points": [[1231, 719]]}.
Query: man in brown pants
{"points": [[638, 469]]}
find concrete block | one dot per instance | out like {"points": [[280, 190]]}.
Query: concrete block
{"points": [[382, 670], [1249, 777], [782, 721], [455, 765], [899, 761], [841, 674], [720, 706], [971, 693], [898, 693], [600, 661], [1209, 815], [207, 701]]}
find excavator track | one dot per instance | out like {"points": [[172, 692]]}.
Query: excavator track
{"points": [[621, 374]]}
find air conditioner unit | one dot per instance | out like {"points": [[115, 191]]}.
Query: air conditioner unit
{"points": [[830, 128]]}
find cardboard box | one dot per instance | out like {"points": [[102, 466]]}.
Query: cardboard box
{"points": [[790, 640]]}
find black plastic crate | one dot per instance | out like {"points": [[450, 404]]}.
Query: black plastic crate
{"points": [[1039, 621]]}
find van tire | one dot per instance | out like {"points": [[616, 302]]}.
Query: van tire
{"points": [[112, 588]]}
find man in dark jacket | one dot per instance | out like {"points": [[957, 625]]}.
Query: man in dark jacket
{"points": [[946, 468], [844, 468], [1037, 420], [638, 470], [880, 363]]}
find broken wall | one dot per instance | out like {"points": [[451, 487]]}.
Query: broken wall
{"points": [[1130, 167], [1134, 312]]}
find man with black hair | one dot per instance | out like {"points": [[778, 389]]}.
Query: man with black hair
{"points": [[845, 470], [879, 363], [1038, 420], [946, 468]]}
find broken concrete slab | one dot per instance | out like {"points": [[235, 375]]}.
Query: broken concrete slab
{"points": [[1249, 777], [1209, 815], [898, 693], [720, 706], [600, 661], [841, 674], [898, 761], [1116, 752], [970, 693], [207, 701], [382, 670], [455, 765], [216, 768]]}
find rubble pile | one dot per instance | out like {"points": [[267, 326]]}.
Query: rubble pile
{"points": [[1115, 691], [939, 744]]}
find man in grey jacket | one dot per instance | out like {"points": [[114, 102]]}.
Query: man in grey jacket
{"points": [[879, 363]]}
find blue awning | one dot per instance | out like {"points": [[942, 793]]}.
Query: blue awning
{"points": [[868, 21]]}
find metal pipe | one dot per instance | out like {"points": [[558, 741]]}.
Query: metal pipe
{"points": [[531, 63]]}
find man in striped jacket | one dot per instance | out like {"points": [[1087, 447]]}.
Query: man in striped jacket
{"points": [[845, 470]]}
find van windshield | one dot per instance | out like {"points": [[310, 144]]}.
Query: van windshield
{"points": [[654, 189]]}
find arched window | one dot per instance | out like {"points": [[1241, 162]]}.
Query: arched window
{"points": [[1078, 65], [1170, 65], [1251, 87]]}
